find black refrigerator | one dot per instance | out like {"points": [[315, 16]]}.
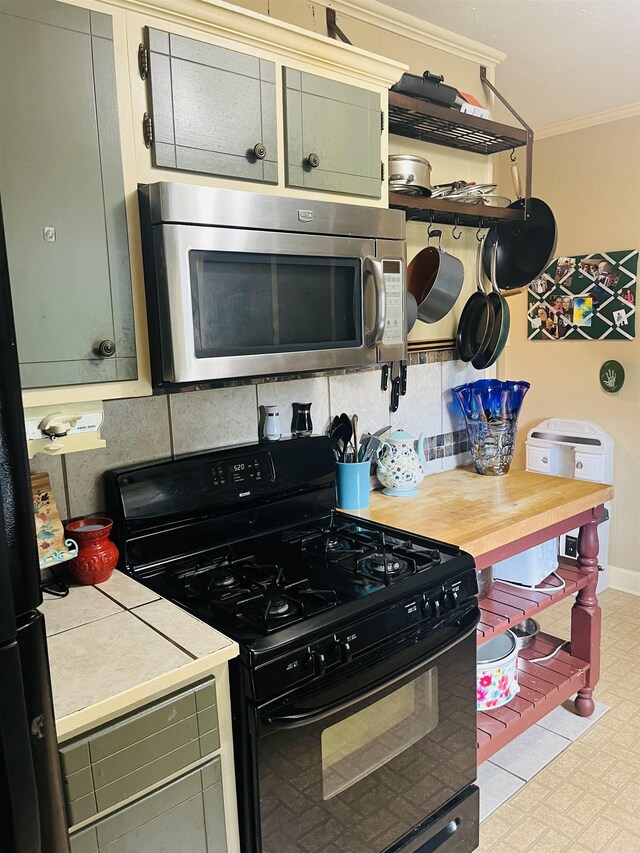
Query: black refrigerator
{"points": [[31, 800]]}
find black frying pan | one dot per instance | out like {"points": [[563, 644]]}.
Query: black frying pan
{"points": [[475, 326], [501, 323], [525, 249]]}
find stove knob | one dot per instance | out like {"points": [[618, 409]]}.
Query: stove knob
{"points": [[342, 651], [431, 608], [451, 599], [316, 663]]}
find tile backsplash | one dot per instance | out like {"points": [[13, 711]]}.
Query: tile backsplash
{"points": [[147, 428]]}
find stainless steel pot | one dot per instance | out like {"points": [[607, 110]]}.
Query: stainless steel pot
{"points": [[525, 633], [435, 278], [407, 170]]}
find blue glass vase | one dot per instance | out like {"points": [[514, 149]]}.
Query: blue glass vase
{"points": [[491, 410]]}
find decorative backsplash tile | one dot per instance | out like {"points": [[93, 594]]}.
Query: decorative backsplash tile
{"points": [[147, 428]]}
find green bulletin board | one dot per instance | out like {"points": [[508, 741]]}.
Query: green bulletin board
{"points": [[586, 297]]}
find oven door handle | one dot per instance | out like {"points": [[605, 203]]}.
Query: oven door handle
{"points": [[303, 718], [373, 269]]}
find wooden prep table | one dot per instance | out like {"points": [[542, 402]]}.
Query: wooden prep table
{"points": [[493, 518]]}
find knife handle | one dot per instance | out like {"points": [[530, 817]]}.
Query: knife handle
{"points": [[384, 380]]}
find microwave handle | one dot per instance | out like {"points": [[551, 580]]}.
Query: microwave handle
{"points": [[303, 718], [373, 270]]}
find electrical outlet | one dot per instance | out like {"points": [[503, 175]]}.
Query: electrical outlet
{"points": [[571, 546]]}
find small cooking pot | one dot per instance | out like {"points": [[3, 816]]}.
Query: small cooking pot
{"points": [[435, 278], [408, 170]]}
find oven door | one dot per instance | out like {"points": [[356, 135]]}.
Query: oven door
{"points": [[249, 303], [361, 764]]}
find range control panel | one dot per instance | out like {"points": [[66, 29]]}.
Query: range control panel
{"points": [[394, 288], [345, 644], [249, 470]]}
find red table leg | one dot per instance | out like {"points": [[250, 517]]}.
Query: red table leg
{"points": [[586, 614]]}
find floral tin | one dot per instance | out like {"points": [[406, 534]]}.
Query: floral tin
{"points": [[497, 672]]}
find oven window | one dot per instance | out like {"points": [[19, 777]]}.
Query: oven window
{"points": [[360, 744], [253, 303]]}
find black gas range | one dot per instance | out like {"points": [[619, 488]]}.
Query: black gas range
{"points": [[356, 673]]}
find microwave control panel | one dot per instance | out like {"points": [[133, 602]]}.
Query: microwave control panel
{"points": [[394, 287]]}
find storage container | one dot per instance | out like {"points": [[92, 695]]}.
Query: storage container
{"points": [[497, 672], [530, 567]]}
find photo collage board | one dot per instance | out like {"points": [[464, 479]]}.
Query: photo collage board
{"points": [[586, 297]]}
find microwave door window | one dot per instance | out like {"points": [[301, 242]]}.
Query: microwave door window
{"points": [[253, 303]]}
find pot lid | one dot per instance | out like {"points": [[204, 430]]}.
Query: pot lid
{"points": [[411, 158], [497, 649]]}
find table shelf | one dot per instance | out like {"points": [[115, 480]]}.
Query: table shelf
{"points": [[507, 605], [543, 687]]}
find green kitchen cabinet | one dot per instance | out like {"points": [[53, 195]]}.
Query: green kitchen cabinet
{"points": [[213, 110], [184, 815], [63, 197], [332, 135]]}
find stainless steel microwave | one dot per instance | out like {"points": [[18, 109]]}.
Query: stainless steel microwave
{"points": [[247, 284]]}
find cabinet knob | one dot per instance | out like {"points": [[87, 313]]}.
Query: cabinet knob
{"points": [[579, 466], [313, 161], [259, 151], [545, 460], [106, 349]]}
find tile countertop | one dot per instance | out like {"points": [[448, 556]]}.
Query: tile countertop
{"points": [[115, 646]]}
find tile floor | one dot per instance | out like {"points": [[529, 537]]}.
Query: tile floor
{"points": [[587, 799]]}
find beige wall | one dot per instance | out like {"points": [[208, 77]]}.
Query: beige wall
{"points": [[591, 180]]}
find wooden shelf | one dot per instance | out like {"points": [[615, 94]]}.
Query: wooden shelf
{"points": [[419, 119], [543, 687], [507, 605], [449, 212]]}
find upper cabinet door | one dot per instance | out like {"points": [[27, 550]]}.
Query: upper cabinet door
{"points": [[333, 135], [63, 195], [213, 109]]}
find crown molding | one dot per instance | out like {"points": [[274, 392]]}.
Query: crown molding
{"points": [[590, 120], [408, 26]]}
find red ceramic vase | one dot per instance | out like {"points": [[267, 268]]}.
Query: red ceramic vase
{"points": [[97, 555]]}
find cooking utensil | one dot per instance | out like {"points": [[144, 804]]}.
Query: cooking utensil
{"points": [[525, 633], [408, 170], [340, 434], [476, 321], [435, 278], [515, 175], [354, 425], [501, 323], [525, 248]]}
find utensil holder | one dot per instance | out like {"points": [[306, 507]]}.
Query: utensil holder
{"points": [[352, 484]]}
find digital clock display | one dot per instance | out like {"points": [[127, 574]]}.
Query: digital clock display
{"points": [[239, 466]]}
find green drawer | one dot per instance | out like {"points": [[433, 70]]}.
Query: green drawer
{"points": [[138, 751], [185, 815]]}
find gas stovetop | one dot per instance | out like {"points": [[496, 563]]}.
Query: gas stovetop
{"points": [[270, 562], [307, 574]]}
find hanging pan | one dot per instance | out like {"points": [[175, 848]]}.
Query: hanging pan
{"points": [[501, 323], [525, 248], [435, 278], [475, 326]]}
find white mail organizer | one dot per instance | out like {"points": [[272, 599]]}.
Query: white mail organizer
{"points": [[580, 449]]}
